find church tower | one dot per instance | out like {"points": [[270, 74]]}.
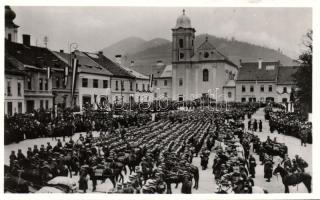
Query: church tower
{"points": [[11, 29], [182, 53], [182, 39]]}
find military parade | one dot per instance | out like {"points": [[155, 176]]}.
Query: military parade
{"points": [[148, 156]]}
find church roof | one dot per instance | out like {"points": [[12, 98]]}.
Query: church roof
{"points": [[183, 21], [206, 45]]}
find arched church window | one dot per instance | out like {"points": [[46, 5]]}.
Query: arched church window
{"points": [[206, 54], [205, 73], [181, 43]]}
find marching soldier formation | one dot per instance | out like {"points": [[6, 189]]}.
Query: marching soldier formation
{"points": [[156, 154]]}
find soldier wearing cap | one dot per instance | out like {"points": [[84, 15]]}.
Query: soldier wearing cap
{"points": [[12, 157], [20, 155], [29, 153]]}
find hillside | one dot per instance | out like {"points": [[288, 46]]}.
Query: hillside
{"points": [[146, 54]]}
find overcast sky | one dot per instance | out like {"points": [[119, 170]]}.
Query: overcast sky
{"points": [[94, 28]]}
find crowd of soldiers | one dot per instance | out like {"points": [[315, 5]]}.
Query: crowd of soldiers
{"points": [[158, 153], [290, 124]]}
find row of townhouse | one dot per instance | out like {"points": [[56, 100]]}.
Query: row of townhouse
{"points": [[36, 77], [258, 81]]}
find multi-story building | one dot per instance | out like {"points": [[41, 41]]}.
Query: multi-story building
{"points": [[257, 81], [121, 81], [14, 88], [285, 83], [142, 86], [92, 80], [162, 82]]}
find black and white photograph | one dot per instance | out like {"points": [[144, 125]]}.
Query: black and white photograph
{"points": [[158, 100]]}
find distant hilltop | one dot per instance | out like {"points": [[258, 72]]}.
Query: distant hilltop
{"points": [[145, 54]]}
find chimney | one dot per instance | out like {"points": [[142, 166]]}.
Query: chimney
{"points": [[132, 63], [26, 39], [260, 63], [100, 52], [118, 59], [61, 51]]}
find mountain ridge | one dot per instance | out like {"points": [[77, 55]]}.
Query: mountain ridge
{"points": [[146, 54]]}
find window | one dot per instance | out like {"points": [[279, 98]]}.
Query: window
{"points": [[181, 55], [84, 82], [205, 74], [243, 88], [165, 94], [192, 42], [40, 84], [9, 108], [19, 107], [243, 99], [137, 87], [10, 37], [95, 83], [47, 104], [29, 83], [105, 83], [180, 43], [46, 84], [229, 94], [262, 88], [122, 85], [143, 89], [206, 54], [270, 88], [41, 104], [9, 88], [165, 82], [148, 87], [117, 85], [285, 90], [155, 82], [270, 67], [180, 97], [180, 82], [19, 89], [57, 82], [131, 86], [155, 95], [284, 100], [251, 88]]}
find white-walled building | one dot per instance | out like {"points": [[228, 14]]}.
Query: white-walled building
{"points": [[197, 72]]}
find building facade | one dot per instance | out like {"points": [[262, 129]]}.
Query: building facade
{"points": [[162, 83], [197, 72]]}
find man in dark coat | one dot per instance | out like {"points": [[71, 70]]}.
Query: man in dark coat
{"points": [[20, 155], [252, 166], [268, 168], [255, 125], [260, 126], [249, 124]]}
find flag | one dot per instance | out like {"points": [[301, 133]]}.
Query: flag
{"points": [[150, 79], [66, 73], [48, 72], [74, 75]]}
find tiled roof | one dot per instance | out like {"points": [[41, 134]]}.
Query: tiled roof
{"points": [[250, 71], [230, 83], [12, 66], [37, 57], [157, 70], [285, 74], [167, 72], [112, 67], [135, 73], [86, 64]]}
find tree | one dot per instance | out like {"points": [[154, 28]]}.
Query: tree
{"points": [[303, 76]]}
